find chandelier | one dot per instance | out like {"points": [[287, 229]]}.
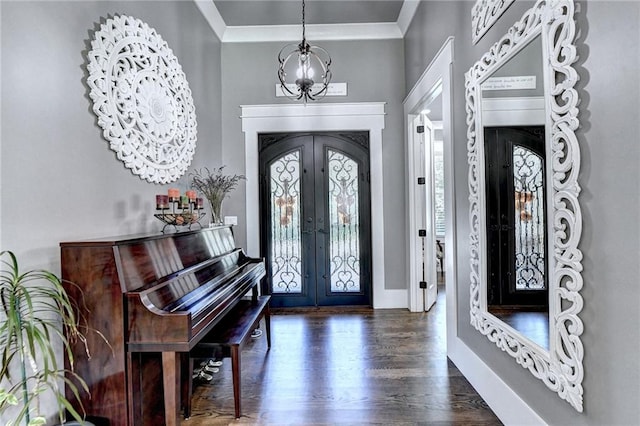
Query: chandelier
{"points": [[306, 62]]}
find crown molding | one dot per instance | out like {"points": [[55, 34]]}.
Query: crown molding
{"points": [[212, 16], [315, 32], [407, 12]]}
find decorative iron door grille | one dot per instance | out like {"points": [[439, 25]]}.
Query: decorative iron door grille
{"points": [[286, 243], [315, 231], [528, 182]]}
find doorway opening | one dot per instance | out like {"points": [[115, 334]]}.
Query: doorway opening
{"points": [[427, 186], [433, 91], [316, 218]]}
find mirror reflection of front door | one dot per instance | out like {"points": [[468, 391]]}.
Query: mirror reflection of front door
{"points": [[315, 218], [516, 225]]}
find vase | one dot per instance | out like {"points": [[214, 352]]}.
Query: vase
{"points": [[216, 212]]}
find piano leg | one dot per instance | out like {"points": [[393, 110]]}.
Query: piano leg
{"points": [[171, 382], [187, 384], [237, 385], [267, 325]]}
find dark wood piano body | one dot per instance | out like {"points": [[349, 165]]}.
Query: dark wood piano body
{"points": [[153, 297]]}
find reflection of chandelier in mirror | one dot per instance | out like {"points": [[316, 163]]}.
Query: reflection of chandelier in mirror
{"points": [[310, 61]]}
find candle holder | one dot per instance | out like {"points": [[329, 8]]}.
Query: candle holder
{"points": [[179, 211]]}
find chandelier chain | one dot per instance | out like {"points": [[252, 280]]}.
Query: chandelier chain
{"points": [[312, 76], [304, 38]]}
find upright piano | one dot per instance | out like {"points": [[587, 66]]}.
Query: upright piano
{"points": [[152, 298]]}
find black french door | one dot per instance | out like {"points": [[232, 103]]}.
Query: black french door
{"points": [[315, 218], [516, 212]]}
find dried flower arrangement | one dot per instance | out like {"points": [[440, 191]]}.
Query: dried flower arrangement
{"points": [[215, 186]]}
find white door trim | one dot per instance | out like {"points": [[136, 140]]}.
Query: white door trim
{"points": [[436, 79], [368, 116]]}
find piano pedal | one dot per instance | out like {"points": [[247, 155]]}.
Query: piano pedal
{"points": [[256, 333]]}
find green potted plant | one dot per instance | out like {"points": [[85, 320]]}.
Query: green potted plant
{"points": [[36, 316], [215, 186]]}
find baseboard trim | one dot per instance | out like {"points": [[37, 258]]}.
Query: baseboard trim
{"points": [[504, 402], [391, 299]]}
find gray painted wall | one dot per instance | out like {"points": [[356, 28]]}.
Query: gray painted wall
{"points": [[60, 181], [373, 71], [610, 170]]}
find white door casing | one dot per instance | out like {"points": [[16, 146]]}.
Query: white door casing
{"points": [[368, 116], [436, 80]]}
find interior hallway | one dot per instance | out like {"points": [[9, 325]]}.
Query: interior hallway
{"points": [[346, 366]]}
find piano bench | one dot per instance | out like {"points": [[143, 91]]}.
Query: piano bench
{"points": [[229, 337]]}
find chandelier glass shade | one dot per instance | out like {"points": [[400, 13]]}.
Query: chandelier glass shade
{"points": [[304, 69]]}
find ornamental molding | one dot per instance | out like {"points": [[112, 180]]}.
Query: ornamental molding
{"points": [[142, 99], [484, 14]]}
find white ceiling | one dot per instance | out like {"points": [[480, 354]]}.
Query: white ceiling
{"points": [[281, 20], [289, 12]]}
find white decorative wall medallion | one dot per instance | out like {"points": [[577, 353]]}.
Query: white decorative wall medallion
{"points": [[142, 99]]}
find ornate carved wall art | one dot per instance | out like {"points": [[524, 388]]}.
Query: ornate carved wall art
{"points": [[142, 99], [484, 14], [561, 367]]}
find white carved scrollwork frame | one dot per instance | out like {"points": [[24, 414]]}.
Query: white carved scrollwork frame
{"points": [[142, 99], [484, 14], [561, 367]]}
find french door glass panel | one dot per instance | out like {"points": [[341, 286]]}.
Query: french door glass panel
{"points": [[286, 241], [344, 241], [528, 183]]}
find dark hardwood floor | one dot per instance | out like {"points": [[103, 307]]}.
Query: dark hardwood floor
{"points": [[346, 366], [533, 325]]}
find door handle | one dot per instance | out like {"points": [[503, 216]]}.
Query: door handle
{"points": [[322, 231]]}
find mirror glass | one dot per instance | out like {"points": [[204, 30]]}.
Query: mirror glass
{"points": [[513, 127], [525, 217]]}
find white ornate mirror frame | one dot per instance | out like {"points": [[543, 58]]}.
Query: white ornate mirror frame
{"points": [[484, 14], [561, 367]]}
